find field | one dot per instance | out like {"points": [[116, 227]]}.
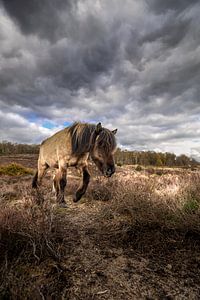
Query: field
{"points": [[134, 236]]}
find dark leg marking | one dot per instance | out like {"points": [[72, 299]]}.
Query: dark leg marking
{"points": [[82, 189], [34, 181]]}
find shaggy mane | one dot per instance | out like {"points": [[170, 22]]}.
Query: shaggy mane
{"points": [[84, 135]]}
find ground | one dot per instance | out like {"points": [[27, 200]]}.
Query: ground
{"points": [[135, 236]]}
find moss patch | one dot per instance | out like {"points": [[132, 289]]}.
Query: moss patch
{"points": [[14, 170]]}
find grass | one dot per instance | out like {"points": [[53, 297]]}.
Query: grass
{"points": [[134, 236], [14, 170], [191, 206], [32, 244]]}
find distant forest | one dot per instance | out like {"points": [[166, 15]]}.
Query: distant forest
{"points": [[151, 158], [122, 157], [8, 148]]}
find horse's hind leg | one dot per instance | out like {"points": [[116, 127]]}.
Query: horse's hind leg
{"points": [[41, 172], [37, 181], [82, 189], [39, 175], [59, 184]]}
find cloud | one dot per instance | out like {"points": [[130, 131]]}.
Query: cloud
{"points": [[130, 64], [42, 18], [176, 6], [13, 125]]}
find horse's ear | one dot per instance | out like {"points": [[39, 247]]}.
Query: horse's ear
{"points": [[98, 128], [114, 131]]}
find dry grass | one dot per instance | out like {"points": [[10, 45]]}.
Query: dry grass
{"points": [[135, 236], [33, 241], [172, 201]]}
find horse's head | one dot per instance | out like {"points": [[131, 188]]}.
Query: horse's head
{"points": [[103, 150]]}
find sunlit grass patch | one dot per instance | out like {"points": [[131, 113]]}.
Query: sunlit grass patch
{"points": [[14, 170], [191, 206]]}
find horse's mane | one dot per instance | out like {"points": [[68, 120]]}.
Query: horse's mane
{"points": [[83, 136], [106, 140]]}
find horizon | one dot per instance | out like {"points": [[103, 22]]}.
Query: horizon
{"points": [[131, 65], [118, 148]]}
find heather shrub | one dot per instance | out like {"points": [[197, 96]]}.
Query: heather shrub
{"points": [[101, 189], [132, 223], [138, 168], [31, 248], [31, 231], [166, 200], [14, 170], [159, 172]]}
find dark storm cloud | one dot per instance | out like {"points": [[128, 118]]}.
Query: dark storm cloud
{"points": [[170, 33], [177, 81], [175, 64], [87, 50], [161, 7], [39, 17], [75, 63]]}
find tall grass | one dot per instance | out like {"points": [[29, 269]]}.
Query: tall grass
{"points": [[169, 200]]}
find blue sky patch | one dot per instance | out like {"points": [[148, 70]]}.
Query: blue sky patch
{"points": [[66, 123], [49, 125]]}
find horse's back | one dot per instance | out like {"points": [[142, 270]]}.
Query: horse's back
{"points": [[55, 147]]}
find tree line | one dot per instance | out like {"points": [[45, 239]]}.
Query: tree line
{"points": [[122, 157], [151, 158], [7, 148]]}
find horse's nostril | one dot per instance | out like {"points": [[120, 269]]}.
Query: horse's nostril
{"points": [[110, 171]]}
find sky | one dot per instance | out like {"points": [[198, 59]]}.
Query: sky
{"points": [[132, 65]]}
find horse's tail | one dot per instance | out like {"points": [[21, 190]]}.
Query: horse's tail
{"points": [[34, 181]]}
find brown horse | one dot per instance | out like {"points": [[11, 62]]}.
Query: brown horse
{"points": [[71, 147]]}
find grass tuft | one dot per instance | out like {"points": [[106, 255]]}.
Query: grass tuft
{"points": [[191, 206], [15, 170]]}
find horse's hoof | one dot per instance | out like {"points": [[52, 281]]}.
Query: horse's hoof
{"points": [[76, 198], [62, 205]]}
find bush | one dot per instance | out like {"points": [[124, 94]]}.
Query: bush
{"points": [[159, 172], [119, 164], [15, 170], [138, 168]]}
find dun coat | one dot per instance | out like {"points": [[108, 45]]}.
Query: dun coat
{"points": [[71, 147]]}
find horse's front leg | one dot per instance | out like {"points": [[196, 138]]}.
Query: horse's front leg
{"points": [[83, 187], [59, 184]]}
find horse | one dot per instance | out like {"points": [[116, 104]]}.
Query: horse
{"points": [[72, 147]]}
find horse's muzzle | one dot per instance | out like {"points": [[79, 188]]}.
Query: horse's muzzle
{"points": [[109, 172]]}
